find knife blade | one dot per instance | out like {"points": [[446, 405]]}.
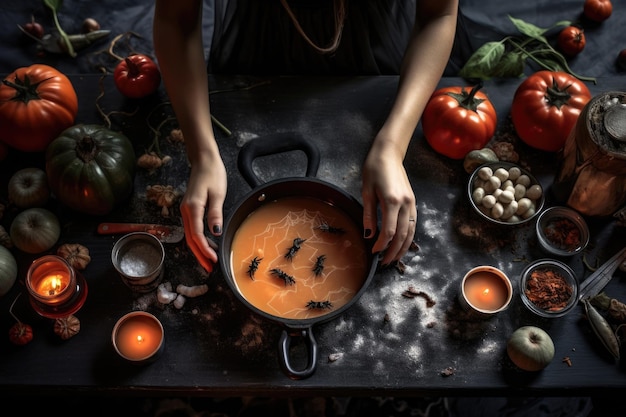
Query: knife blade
{"points": [[601, 276], [165, 233]]}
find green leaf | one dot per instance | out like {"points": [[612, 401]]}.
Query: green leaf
{"points": [[529, 29], [562, 23], [534, 31], [483, 61], [511, 65]]}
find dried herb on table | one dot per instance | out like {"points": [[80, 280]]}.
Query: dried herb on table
{"points": [[411, 292], [548, 289], [562, 233], [615, 308]]}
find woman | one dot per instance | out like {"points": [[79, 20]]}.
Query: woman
{"points": [[286, 37]]}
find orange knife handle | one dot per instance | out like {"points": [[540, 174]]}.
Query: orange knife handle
{"points": [[117, 228]]}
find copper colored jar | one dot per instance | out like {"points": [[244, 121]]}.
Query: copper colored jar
{"points": [[592, 165]]}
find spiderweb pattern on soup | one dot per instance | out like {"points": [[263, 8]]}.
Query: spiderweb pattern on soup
{"points": [[298, 258]]}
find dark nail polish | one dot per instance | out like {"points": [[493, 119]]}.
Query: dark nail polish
{"points": [[217, 229], [367, 233]]}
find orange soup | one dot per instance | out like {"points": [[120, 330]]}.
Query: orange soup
{"points": [[298, 258]]}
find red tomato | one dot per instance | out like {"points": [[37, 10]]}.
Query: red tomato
{"points": [[137, 76], [545, 108], [457, 120], [571, 41], [598, 10], [37, 103]]}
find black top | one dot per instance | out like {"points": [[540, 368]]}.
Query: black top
{"points": [[259, 37]]}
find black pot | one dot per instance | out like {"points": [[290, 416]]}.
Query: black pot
{"points": [[306, 187]]}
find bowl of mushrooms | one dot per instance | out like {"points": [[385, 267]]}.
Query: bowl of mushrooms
{"points": [[505, 193]]}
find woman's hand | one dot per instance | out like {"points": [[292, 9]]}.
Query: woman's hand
{"points": [[206, 191], [385, 182]]}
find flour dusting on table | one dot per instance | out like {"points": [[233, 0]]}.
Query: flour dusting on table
{"points": [[432, 273]]}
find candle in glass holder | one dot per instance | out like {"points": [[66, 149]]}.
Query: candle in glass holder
{"points": [[486, 290], [138, 337], [55, 289], [51, 280]]}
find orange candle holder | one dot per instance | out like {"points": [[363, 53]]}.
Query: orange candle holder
{"points": [[56, 290], [485, 290], [138, 337]]}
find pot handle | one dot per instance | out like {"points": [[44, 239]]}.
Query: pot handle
{"points": [[274, 144], [283, 347]]}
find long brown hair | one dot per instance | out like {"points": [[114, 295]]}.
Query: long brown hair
{"points": [[339, 7]]}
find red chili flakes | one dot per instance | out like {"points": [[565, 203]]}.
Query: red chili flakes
{"points": [[548, 289], [562, 233]]}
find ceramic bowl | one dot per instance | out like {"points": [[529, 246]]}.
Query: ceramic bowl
{"points": [[548, 288], [505, 193], [562, 231]]}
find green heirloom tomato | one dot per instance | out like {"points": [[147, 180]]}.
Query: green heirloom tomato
{"points": [[91, 168]]}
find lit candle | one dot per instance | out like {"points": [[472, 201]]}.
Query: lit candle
{"points": [[486, 289], [51, 280], [138, 336]]}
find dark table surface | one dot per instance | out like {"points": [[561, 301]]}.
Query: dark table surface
{"points": [[217, 346]]}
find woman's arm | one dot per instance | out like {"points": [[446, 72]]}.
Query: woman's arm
{"points": [[384, 178], [178, 41]]}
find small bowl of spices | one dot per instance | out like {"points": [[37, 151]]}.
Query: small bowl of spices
{"points": [[562, 231], [549, 288]]}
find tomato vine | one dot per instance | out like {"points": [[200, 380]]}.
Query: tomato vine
{"points": [[54, 6], [508, 57]]}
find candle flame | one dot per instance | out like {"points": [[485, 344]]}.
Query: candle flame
{"points": [[55, 284], [486, 291], [140, 338]]}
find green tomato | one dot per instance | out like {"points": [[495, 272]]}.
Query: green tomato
{"points": [[8, 270], [530, 348]]}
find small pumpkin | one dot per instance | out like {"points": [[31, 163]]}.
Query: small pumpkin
{"points": [[75, 254], [20, 333], [66, 327], [91, 168]]}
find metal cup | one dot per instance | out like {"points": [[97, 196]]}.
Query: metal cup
{"points": [[138, 258]]}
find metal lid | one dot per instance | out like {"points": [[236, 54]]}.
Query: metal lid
{"points": [[615, 122]]}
